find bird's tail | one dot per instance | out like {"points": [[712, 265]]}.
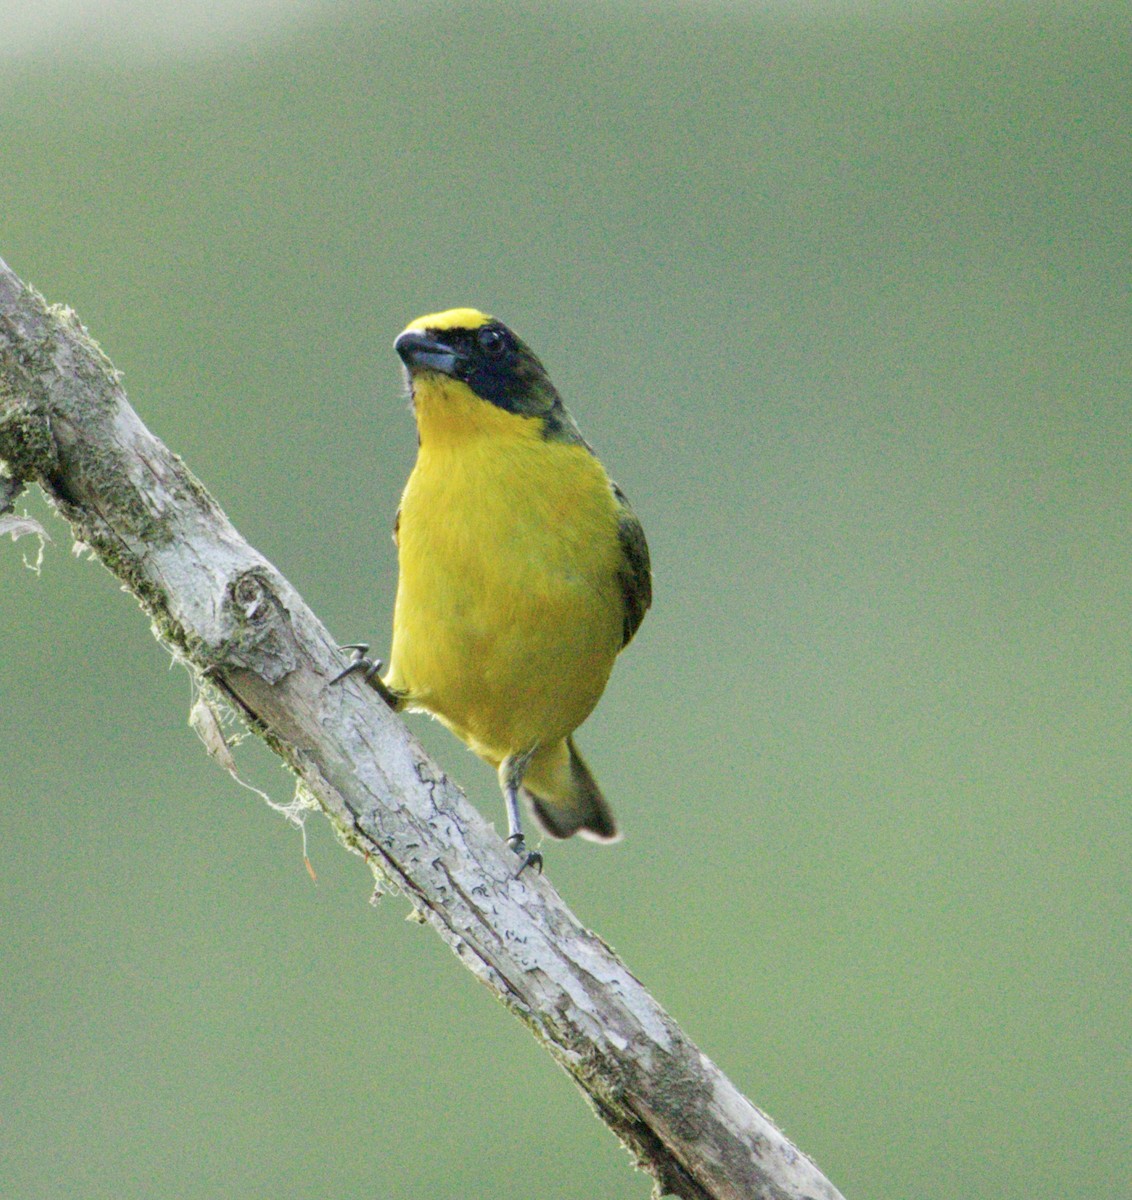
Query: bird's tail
{"points": [[565, 796]]}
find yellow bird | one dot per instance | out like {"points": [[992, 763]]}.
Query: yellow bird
{"points": [[523, 571]]}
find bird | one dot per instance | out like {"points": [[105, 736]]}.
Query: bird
{"points": [[522, 571]]}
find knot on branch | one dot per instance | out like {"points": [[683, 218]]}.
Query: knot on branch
{"points": [[262, 638]]}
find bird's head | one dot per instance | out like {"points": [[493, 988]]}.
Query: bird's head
{"points": [[457, 358]]}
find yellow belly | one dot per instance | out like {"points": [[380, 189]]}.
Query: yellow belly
{"points": [[509, 610]]}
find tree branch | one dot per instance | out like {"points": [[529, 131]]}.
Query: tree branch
{"points": [[65, 424]]}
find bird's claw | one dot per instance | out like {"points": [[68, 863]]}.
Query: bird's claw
{"points": [[368, 668], [531, 858], [361, 662]]}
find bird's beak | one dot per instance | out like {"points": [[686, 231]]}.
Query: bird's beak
{"points": [[421, 351]]}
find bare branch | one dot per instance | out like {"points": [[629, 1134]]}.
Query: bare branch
{"points": [[65, 423]]}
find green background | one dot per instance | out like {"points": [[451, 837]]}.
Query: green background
{"points": [[841, 295]]}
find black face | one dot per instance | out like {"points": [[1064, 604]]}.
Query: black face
{"points": [[490, 359]]}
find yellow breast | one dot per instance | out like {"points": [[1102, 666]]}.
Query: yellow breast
{"points": [[509, 610]]}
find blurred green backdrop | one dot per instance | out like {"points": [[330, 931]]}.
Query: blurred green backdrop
{"points": [[841, 294]]}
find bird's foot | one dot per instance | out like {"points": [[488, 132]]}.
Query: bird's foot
{"points": [[370, 671], [531, 858]]}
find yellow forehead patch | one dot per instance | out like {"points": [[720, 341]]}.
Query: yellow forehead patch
{"points": [[453, 318]]}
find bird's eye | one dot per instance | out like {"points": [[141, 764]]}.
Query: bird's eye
{"points": [[492, 341]]}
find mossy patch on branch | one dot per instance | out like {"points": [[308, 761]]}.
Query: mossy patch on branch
{"points": [[27, 450]]}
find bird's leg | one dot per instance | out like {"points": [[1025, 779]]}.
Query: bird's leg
{"points": [[370, 670], [511, 772]]}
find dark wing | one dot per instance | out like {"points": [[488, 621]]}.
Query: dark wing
{"points": [[397, 528], [634, 573]]}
